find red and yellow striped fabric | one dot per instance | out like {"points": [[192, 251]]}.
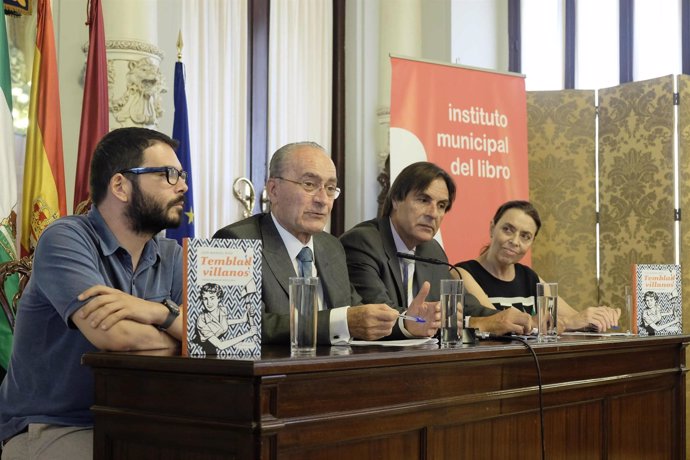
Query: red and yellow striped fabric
{"points": [[43, 198]]}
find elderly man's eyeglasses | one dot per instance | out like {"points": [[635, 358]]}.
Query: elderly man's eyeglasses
{"points": [[171, 174], [313, 188]]}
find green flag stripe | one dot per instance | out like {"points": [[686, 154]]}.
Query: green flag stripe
{"points": [[7, 240], [5, 76]]}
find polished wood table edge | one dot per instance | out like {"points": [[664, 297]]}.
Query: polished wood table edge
{"points": [[276, 359], [267, 424], [199, 422], [270, 423]]}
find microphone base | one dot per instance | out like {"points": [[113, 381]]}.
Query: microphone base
{"points": [[469, 336]]}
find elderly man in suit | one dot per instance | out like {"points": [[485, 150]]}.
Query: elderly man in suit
{"points": [[415, 206], [302, 188]]}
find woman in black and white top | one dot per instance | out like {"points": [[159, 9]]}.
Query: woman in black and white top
{"points": [[499, 281]]}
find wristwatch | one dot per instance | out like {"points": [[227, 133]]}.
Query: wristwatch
{"points": [[173, 312]]}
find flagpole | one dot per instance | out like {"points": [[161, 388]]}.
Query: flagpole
{"points": [[180, 44]]}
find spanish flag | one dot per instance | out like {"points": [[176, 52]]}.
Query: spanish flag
{"points": [[43, 199]]}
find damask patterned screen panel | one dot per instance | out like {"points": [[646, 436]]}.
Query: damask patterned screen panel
{"points": [[684, 176], [636, 181], [561, 135], [684, 179]]}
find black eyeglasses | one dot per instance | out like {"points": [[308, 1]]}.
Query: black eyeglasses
{"points": [[312, 187], [173, 175]]}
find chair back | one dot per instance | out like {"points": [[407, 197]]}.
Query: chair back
{"points": [[22, 268]]}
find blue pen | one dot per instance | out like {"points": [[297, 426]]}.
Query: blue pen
{"points": [[416, 319]]}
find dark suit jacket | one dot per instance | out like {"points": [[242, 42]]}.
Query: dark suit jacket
{"points": [[374, 267], [277, 267]]}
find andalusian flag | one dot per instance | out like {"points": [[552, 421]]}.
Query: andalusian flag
{"points": [[43, 198], [8, 187]]}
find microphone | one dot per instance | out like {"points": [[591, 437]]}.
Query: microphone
{"points": [[429, 260], [468, 334]]}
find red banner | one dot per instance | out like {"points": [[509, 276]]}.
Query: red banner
{"points": [[94, 107], [473, 124]]}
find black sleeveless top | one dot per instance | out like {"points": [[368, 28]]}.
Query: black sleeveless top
{"points": [[519, 293]]}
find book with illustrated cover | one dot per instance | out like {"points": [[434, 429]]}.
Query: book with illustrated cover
{"points": [[657, 306], [222, 294]]}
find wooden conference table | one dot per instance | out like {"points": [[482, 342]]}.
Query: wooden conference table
{"points": [[608, 398]]}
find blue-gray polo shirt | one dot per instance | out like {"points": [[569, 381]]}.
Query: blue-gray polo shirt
{"points": [[45, 382]]}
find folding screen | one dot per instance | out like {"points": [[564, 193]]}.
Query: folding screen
{"points": [[561, 135], [684, 175], [636, 181], [636, 186]]}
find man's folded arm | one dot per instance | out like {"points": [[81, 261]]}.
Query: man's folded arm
{"points": [[125, 335]]}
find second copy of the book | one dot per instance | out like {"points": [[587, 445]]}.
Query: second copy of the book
{"points": [[657, 305]]}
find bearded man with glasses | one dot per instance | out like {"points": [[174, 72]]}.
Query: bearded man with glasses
{"points": [[101, 281], [302, 188]]}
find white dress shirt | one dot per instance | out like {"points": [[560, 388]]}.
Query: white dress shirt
{"points": [[400, 246], [339, 330]]}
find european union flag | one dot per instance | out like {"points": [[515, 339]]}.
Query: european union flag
{"points": [[181, 134]]}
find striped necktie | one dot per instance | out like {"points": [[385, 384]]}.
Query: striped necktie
{"points": [[305, 258], [408, 278]]}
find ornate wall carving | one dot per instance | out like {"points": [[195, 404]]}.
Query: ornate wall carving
{"points": [[140, 103], [135, 83]]}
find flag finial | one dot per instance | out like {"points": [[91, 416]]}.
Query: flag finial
{"points": [[179, 46]]}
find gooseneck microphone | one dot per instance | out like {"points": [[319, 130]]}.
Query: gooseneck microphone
{"points": [[429, 260], [468, 334]]}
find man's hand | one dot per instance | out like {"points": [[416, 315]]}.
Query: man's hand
{"points": [[600, 319], [429, 311], [108, 306], [371, 322], [504, 322]]}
